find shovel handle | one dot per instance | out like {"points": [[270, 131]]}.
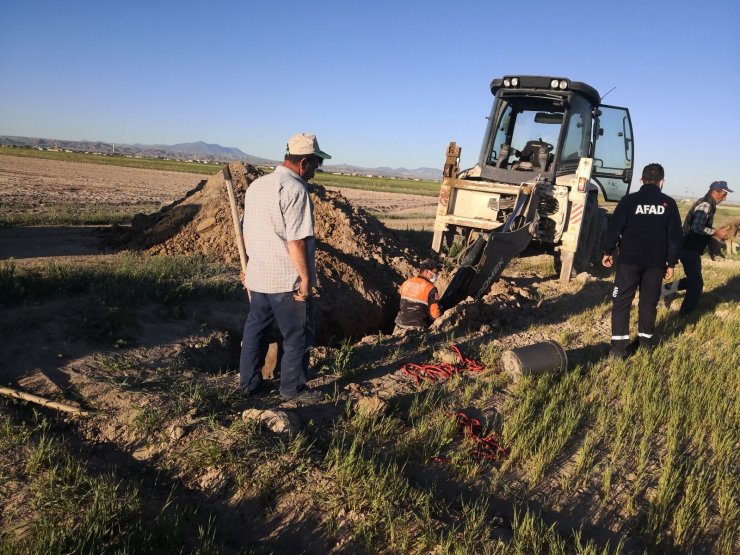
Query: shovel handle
{"points": [[235, 219]]}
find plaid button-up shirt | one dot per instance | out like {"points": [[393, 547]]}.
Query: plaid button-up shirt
{"points": [[277, 209]]}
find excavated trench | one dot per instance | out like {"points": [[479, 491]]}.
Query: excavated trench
{"points": [[360, 263]]}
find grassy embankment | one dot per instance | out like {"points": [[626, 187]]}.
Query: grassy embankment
{"points": [[642, 451]]}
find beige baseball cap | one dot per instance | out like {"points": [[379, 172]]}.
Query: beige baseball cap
{"points": [[305, 143]]}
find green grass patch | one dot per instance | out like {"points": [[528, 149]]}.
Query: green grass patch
{"points": [[401, 216], [126, 279], [380, 184], [100, 299], [65, 507], [73, 214], [420, 240], [386, 493]]}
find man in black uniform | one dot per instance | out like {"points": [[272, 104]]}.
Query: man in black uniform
{"points": [[645, 234], [698, 230]]}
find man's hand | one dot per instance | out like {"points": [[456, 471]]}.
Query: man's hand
{"points": [[298, 252], [668, 273], [607, 261], [303, 292]]}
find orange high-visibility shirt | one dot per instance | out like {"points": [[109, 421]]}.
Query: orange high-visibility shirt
{"points": [[418, 306]]}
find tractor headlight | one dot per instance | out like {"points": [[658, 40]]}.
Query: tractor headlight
{"points": [[507, 82], [554, 83], [563, 84], [515, 81]]}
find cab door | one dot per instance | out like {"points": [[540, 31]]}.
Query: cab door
{"points": [[613, 151]]}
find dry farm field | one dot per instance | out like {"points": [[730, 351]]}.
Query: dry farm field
{"points": [[135, 320]]}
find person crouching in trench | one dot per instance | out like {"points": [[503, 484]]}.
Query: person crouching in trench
{"points": [[419, 300]]}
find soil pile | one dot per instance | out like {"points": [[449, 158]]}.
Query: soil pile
{"points": [[199, 222], [359, 262]]}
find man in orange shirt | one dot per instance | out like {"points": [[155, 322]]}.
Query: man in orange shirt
{"points": [[419, 299]]}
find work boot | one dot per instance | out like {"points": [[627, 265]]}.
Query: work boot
{"points": [[306, 397], [646, 344], [262, 388], [617, 354]]}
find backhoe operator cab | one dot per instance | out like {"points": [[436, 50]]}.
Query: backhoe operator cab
{"points": [[549, 139]]}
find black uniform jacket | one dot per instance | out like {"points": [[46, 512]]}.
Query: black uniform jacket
{"points": [[645, 229]]}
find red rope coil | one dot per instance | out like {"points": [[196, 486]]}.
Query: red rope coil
{"points": [[486, 447], [442, 371]]}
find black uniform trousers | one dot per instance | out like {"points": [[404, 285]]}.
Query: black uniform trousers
{"points": [[628, 280]]}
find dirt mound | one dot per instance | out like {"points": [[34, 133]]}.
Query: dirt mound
{"points": [[359, 262], [199, 222]]}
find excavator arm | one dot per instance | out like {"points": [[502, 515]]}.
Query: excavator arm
{"points": [[490, 253]]}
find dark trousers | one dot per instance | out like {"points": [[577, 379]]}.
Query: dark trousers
{"points": [[627, 281], [693, 283], [295, 321]]}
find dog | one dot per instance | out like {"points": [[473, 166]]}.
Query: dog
{"points": [[733, 229], [718, 248]]}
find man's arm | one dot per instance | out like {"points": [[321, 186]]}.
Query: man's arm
{"points": [[699, 220], [433, 303], [243, 276], [699, 223], [298, 252], [675, 235]]}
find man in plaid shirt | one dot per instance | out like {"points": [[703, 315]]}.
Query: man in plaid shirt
{"points": [[279, 240], [698, 230]]}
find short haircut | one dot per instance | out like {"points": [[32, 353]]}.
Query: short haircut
{"points": [[296, 158], [653, 173], [430, 264]]}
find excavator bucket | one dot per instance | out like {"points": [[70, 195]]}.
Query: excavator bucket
{"points": [[489, 254], [501, 249]]}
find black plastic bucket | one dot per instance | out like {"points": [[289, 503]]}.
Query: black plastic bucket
{"points": [[535, 359]]}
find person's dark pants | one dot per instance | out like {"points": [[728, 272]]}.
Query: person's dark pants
{"points": [[693, 283], [627, 281], [295, 321]]}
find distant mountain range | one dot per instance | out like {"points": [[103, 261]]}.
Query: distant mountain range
{"points": [[206, 152]]}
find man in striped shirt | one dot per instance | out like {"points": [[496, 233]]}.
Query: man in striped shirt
{"points": [[698, 230]]}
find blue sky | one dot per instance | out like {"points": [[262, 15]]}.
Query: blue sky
{"points": [[383, 83]]}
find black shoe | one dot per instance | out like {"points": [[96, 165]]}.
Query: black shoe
{"points": [[306, 396], [632, 347], [262, 388], [615, 354]]}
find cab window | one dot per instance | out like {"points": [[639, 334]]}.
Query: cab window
{"points": [[578, 131]]}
